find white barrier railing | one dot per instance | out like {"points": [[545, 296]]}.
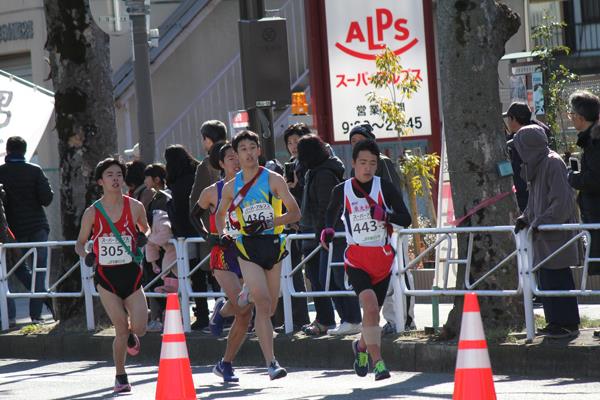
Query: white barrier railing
{"points": [[527, 283], [530, 282], [6, 273]]}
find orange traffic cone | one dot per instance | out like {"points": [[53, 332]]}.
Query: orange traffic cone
{"points": [[174, 371], [473, 379]]}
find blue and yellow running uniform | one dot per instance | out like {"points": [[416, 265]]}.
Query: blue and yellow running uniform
{"points": [[268, 247]]}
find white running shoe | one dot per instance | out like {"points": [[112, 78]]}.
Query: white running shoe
{"points": [[244, 298], [345, 328], [276, 371]]}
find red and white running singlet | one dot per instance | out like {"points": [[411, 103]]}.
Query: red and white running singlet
{"points": [[107, 248], [361, 229]]}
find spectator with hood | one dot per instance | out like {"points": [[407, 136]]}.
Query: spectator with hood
{"points": [[551, 201], [517, 116], [324, 173]]}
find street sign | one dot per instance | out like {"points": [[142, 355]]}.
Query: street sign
{"points": [[111, 16], [357, 31], [240, 120]]}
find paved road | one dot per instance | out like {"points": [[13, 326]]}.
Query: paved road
{"points": [[41, 380]]}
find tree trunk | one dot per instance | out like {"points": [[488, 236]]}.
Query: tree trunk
{"points": [[472, 35], [85, 117]]}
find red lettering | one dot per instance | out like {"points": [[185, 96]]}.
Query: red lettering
{"points": [[354, 32], [372, 44], [376, 29], [380, 15], [403, 32]]}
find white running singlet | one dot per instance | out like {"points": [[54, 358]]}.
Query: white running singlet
{"points": [[360, 228]]}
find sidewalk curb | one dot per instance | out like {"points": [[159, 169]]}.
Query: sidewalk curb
{"points": [[550, 359]]}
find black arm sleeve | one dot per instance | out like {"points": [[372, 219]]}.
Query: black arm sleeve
{"points": [[196, 220], [393, 197], [336, 200]]}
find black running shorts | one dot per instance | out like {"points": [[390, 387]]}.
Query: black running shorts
{"points": [[262, 250], [122, 280], [360, 281]]}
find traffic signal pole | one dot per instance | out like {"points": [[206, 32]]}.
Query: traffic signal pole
{"points": [[261, 116], [138, 11]]}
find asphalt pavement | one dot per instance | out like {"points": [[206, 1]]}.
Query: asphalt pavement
{"points": [[46, 380]]}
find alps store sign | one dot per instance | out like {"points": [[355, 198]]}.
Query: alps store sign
{"points": [[359, 30], [24, 111]]}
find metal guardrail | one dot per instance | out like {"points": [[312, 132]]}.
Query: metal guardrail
{"points": [[525, 271], [530, 283]]}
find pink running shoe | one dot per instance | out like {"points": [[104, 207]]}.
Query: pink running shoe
{"points": [[133, 345]]}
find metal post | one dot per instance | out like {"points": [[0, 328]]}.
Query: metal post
{"points": [[138, 11], [267, 132], [524, 267], [87, 287], [183, 270], [252, 9], [287, 297], [3, 290], [398, 271]]}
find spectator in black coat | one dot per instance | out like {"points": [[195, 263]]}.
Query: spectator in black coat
{"points": [[324, 173], [27, 193], [294, 171], [181, 169], [585, 110]]}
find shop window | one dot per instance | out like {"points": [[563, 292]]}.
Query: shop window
{"points": [[590, 11], [17, 64]]}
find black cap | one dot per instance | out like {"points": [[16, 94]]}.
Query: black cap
{"points": [[519, 111], [365, 129]]}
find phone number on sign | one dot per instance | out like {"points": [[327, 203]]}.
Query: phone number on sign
{"points": [[412, 122]]}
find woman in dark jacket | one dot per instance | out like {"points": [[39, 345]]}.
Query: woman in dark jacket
{"points": [[324, 173], [181, 170], [585, 108]]}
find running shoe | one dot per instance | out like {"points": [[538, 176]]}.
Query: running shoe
{"points": [[345, 328], [243, 298], [381, 371], [276, 371], [121, 387], [361, 360], [133, 344], [155, 326], [216, 320], [225, 371]]}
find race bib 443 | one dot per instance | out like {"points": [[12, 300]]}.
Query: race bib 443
{"points": [[365, 229]]}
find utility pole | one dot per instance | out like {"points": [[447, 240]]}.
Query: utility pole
{"points": [[138, 11]]}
